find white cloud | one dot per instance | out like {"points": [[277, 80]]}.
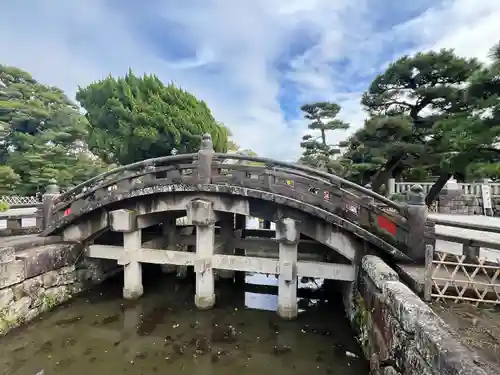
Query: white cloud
{"points": [[68, 44]]}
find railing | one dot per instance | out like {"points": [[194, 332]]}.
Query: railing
{"points": [[359, 208], [472, 188], [466, 276], [16, 201]]}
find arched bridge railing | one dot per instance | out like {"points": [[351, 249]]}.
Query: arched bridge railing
{"points": [[401, 225]]}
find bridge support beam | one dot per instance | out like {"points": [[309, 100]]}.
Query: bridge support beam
{"points": [[125, 221], [132, 273], [227, 234], [287, 235], [169, 228], [201, 214]]}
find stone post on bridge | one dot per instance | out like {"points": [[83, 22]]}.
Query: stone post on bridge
{"points": [[203, 173], [417, 217], [201, 214], [52, 191], [125, 221], [287, 235], [365, 213]]}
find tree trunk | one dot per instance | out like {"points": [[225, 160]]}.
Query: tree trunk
{"points": [[385, 173], [323, 137], [437, 187]]}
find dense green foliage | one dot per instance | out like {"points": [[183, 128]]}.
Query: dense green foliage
{"points": [[42, 135], [317, 151], [432, 114], [135, 118]]}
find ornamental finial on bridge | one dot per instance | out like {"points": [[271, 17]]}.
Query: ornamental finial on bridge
{"points": [[52, 187], [206, 142], [416, 195]]}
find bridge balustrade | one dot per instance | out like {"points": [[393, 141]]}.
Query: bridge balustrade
{"points": [[398, 228]]}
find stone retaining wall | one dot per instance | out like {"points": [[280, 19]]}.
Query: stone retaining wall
{"points": [[398, 332], [466, 205], [36, 280]]}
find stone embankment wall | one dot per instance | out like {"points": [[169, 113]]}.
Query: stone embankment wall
{"points": [[467, 205], [399, 333], [35, 280]]}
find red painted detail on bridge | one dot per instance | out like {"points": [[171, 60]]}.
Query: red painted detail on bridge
{"points": [[67, 212], [386, 224]]}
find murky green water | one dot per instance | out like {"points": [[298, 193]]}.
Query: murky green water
{"points": [[98, 333]]}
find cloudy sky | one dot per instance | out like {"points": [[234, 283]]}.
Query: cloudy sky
{"points": [[253, 61]]}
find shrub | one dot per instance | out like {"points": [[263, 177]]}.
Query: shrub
{"points": [[3, 206]]}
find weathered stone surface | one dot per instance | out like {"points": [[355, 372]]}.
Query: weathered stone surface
{"points": [[413, 363], [7, 255], [378, 270], [22, 299], [32, 287], [393, 323], [50, 279], [11, 273], [405, 305], [441, 350], [18, 243], [6, 297], [18, 309], [46, 258], [389, 370]]}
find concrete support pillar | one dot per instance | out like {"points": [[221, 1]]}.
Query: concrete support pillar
{"points": [[227, 234], [201, 214], [287, 235], [169, 236], [125, 221], [132, 273]]}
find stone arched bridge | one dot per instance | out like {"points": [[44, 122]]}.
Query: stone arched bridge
{"points": [[307, 206]]}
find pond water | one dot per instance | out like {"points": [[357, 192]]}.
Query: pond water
{"points": [[100, 333]]}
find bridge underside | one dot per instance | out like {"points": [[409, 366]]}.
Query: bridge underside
{"points": [[144, 230]]}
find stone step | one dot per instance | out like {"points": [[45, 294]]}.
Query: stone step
{"points": [[45, 258], [26, 241], [9, 246], [30, 262]]}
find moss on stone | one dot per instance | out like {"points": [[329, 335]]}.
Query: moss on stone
{"points": [[362, 321], [48, 302]]}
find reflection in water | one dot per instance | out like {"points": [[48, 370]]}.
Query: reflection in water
{"points": [[99, 333]]}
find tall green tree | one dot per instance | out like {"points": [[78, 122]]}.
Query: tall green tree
{"points": [[317, 151], [41, 133], [369, 148], [426, 88], [134, 118], [475, 134]]}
